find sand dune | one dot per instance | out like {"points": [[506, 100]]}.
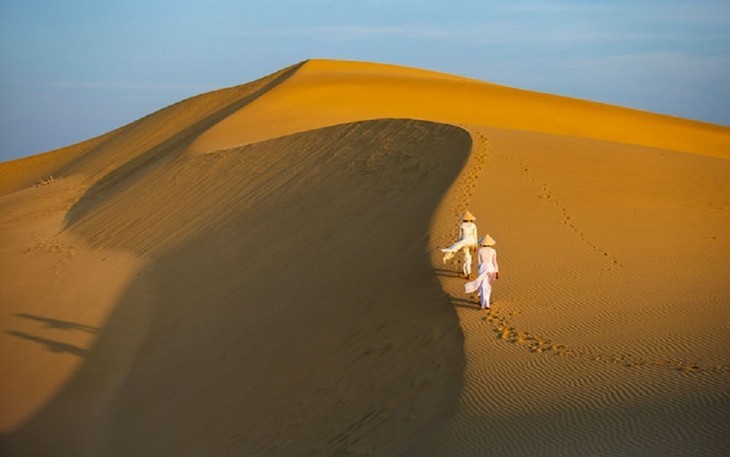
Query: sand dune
{"points": [[253, 271], [327, 92], [252, 296]]}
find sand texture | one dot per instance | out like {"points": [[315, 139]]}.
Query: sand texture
{"points": [[254, 271]]}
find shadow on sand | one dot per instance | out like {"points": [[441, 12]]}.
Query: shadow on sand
{"points": [[464, 303], [59, 324], [446, 272], [51, 345]]}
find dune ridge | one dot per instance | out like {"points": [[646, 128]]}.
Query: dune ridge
{"points": [[326, 92], [255, 271], [133, 144]]}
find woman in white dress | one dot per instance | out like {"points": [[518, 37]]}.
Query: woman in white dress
{"points": [[488, 272], [467, 241]]}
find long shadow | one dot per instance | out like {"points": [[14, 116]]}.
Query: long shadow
{"points": [[51, 345], [464, 303], [59, 324], [446, 272]]}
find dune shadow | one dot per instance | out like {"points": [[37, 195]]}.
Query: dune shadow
{"points": [[59, 324], [446, 272], [464, 303], [251, 338], [51, 345]]}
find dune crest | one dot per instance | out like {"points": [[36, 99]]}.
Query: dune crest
{"points": [[324, 92], [132, 146]]}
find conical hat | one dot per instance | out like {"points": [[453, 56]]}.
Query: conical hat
{"points": [[487, 241], [468, 217]]}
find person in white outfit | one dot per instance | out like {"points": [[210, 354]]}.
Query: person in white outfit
{"points": [[488, 272], [467, 241]]}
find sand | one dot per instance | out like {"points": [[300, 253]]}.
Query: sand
{"points": [[609, 333], [254, 271]]}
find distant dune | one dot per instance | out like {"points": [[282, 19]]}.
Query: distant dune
{"points": [[254, 271]]}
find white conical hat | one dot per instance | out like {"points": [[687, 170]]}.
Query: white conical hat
{"points": [[487, 241], [468, 217]]}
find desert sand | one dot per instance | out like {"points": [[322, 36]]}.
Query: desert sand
{"points": [[254, 271]]}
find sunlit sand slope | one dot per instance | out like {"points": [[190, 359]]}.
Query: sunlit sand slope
{"points": [[324, 92], [609, 332], [287, 306], [55, 294]]}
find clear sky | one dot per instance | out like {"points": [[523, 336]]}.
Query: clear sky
{"points": [[74, 69]]}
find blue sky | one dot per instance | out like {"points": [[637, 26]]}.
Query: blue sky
{"points": [[74, 69]]}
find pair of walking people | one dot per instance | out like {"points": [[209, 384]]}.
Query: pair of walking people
{"points": [[487, 259]]}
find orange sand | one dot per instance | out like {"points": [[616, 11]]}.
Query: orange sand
{"points": [[253, 271]]}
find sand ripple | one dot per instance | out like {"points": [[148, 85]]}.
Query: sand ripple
{"points": [[561, 367]]}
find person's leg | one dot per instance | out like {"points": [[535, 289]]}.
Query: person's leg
{"points": [[448, 256], [485, 293], [467, 261], [453, 249]]}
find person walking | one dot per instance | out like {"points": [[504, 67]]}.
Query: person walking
{"points": [[466, 242], [488, 272]]}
